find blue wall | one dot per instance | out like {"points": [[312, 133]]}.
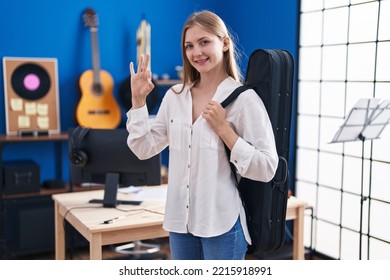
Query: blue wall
{"points": [[49, 28]]}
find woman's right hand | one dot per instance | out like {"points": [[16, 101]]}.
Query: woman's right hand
{"points": [[141, 82]]}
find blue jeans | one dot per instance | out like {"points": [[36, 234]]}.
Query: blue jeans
{"points": [[228, 246]]}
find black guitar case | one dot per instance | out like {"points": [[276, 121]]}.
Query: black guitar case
{"points": [[270, 73]]}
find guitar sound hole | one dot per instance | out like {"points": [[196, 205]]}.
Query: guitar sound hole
{"points": [[97, 88]]}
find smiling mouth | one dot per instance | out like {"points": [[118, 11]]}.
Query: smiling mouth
{"points": [[201, 61]]}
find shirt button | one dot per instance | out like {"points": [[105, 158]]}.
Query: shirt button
{"points": [[235, 161]]}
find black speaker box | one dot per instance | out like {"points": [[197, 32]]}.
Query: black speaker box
{"points": [[21, 176], [29, 226]]}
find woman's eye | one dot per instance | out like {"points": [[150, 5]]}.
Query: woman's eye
{"points": [[204, 42], [187, 47]]}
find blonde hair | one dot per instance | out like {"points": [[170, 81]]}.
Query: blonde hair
{"points": [[213, 24]]}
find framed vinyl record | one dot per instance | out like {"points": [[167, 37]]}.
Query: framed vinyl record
{"points": [[31, 95]]}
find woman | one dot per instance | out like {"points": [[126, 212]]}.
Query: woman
{"points": [[204, 214]]}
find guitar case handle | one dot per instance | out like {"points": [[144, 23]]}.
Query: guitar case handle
{"points": [[284, 165]]}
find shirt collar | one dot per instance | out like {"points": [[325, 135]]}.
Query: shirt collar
{"points": [[225, 88]]}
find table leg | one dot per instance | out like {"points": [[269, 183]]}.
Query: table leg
{"points": [[59, 234], [298, 246], [95, 247]]}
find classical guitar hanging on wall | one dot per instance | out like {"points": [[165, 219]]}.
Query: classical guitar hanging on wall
{"points": [[97, 107]]}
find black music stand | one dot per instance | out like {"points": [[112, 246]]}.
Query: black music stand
{"points": [[366, 121]]}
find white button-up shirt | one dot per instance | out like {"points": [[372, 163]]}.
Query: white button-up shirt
{"points": [[202, 196]]}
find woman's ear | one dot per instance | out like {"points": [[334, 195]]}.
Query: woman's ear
{"points": [[226, 44]]}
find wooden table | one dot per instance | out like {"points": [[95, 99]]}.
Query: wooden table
{"points": [[136, 224], [296, 212]]}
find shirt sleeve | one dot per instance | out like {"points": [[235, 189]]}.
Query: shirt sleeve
{"points": [[147, 135], [137, 124], [254, 153]]}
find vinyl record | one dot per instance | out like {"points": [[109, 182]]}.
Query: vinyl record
{"points": [[30, 81]]}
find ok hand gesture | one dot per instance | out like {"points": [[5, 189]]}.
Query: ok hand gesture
{"points": [[141, 82]]}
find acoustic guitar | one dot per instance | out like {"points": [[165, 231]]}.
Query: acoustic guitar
{"points": [[97, 107]]}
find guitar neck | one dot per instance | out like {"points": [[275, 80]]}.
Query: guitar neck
{"points": [[95, 56]]}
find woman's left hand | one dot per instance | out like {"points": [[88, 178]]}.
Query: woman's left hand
{"points": [[215, 115]]}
